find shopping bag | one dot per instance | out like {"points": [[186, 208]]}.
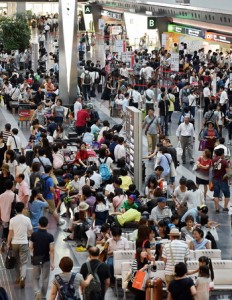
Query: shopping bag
{"points": [[179, 150], [202, 145], [126, 279], [91, 235], [211, 186], [214, 233], [10, 260], [140, 280]]}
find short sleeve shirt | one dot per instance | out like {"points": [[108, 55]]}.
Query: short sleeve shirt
{"points": [[66, 277], [49, 183], [153, 127], [219, 168], [41, 243], [180, 289]]}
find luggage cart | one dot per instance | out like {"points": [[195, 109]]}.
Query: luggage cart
{"points": [[24, 112]]}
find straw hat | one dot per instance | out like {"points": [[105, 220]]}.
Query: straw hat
{"points": [[174, 232], [83, 206]]}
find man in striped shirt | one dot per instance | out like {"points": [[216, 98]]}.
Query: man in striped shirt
{"points": [[174, 252]]}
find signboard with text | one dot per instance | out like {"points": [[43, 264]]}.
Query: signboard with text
{"points": [[217, 37], [175, 61], [186, 30]]}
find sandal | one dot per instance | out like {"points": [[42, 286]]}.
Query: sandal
{"points": [[67, 239], [67, 230]]}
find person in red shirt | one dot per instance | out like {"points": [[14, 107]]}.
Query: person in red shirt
{"points": [[81, 158], [81, 120], [220, 181]]}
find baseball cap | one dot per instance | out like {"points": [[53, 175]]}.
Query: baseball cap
{"points": [[161, 199]]}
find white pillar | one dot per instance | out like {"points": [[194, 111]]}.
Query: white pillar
{"points": [[68, 50], [21, 7]]}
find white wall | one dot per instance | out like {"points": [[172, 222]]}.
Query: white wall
{"points": [[212, 4]]}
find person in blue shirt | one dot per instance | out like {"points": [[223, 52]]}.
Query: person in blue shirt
{"points": [[36, 205], [196, 213]]}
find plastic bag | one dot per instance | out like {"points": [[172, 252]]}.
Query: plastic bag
{"points": [[214, 233], [91, 238], [179, 150]]}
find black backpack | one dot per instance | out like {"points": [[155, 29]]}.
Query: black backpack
{"points": [[41, 185], [87, 78], [66, 290], [93, 291]]}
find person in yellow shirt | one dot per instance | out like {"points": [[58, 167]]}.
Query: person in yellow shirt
{"points": [[126, 180]]}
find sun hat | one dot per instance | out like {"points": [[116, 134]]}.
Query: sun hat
{"points": [[174, 232], [83, 206]]}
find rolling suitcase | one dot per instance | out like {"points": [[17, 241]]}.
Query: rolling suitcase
{"points": [[154, 290]]}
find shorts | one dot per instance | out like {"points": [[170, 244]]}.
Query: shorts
{"points": [[219, 186], [51, 205]]}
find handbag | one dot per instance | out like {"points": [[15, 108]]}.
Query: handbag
{"points": [[128, 277], [140, 280], [211, 186], [10, 260], [179, 150], [202, 145], [214, 233]]}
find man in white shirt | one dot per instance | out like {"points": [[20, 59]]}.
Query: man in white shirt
{"points": [[96, 177], [186, 135], [222, 146], [148, 71], [119, 150], [223, 99], [77, 106], [19, 230], [206, 95], [135, 97], [124, 71], [44, 161], [161, 211], [14, 142]]}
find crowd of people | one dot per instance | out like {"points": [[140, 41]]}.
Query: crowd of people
{"points": [[91, 187]]}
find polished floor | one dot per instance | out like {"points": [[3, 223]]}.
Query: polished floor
{"points": [[68, 249]]}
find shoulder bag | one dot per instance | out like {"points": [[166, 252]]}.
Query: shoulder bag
{"points": [[148, 126]]}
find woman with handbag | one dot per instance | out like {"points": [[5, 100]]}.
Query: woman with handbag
{"points": [[141, 264], [210, 135]]}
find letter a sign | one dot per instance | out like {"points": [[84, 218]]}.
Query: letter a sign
{"points": [[151, 22], [88, 9]]}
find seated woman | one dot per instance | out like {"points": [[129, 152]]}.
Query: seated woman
{"points": [[100, 211], [59, 133], [150, 188], [199, 241], [118, 199], [81, 159], [144, 241], [163, 229]]}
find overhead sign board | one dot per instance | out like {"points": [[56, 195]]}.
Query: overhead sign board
{"points": [[111, 14], [186, 30], [151, 22], [88, 9], [217, 37]]}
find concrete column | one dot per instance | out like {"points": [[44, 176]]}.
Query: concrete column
{"points": [[68, 51], [11, 8], [21, 7]]}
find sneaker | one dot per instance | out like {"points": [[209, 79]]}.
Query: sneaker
{"points": [[17, 280], [81, 249], [192, 162], [184, 162], [217, 211], [22, 283], [61, 222], [225, 209]]}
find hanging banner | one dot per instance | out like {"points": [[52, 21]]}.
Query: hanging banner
{"points": [[119, 46], [116, 30], [175, 61]]}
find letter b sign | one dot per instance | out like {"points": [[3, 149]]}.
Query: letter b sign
{"points": [[151, 22]]}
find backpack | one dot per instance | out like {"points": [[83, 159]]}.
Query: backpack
{"points": [[87, 78], [41, 185], [66, 289], [104, 170], [93, 290]]}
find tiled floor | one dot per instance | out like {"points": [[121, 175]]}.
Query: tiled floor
{"points": [[62, 248]]}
